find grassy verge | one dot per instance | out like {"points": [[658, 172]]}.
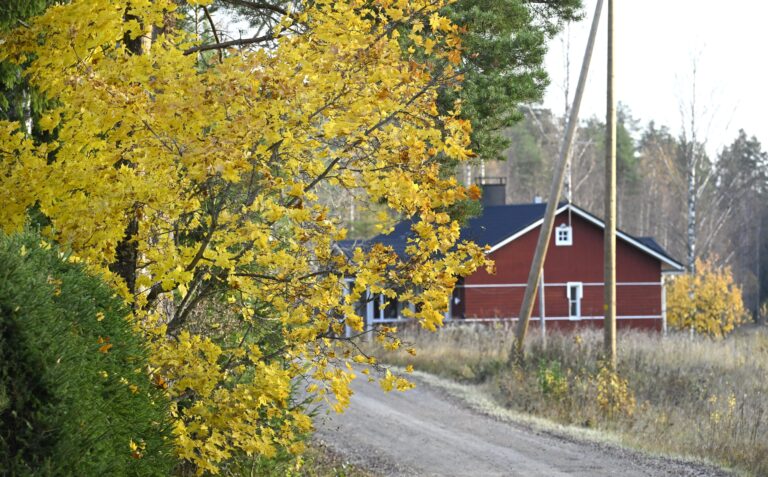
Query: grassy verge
{"points": [[689, 397]]}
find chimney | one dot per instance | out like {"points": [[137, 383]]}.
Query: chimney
{"points": [[494, 190]]}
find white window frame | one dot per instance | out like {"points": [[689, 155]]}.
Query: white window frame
{"points": [[382, 300], [566, 239], [579, 288]]}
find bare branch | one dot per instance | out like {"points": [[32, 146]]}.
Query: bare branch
{"points": [[215, 33], [288, 279], [227, 44]]}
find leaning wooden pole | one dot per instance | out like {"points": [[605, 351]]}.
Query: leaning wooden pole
{"points": [[609, 306], [554, 195]]}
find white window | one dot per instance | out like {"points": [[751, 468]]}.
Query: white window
{"points": [[386, 309], [563, 235], [574, 291]]}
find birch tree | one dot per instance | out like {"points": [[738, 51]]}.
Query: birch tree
{"points": [[696, 164]]}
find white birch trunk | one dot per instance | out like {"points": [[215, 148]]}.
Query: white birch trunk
{"points": [[26, 107], [692, 200]]}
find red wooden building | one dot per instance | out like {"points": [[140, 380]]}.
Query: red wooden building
{"points": [[573, 271]]}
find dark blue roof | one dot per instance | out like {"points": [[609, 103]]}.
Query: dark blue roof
{"points": [[654, 245], [500, 222], [397, 239], [494, 225]]}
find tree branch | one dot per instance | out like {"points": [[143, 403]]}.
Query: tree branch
{"points": [[227, 44], [289, 279], [257, 6], [215, 33], [367, 132]]}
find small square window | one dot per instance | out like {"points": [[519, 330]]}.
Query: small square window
{"points": [[563, 235]]}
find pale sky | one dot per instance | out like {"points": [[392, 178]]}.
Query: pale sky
{"points": [[657, 42]]}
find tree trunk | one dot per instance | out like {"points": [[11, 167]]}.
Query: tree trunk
{"points": [[26, 109], [692, 196], [127, 250], [127, 254]]}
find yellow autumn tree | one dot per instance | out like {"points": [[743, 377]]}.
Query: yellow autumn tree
{"points": [[183, 185], [708, 302]]}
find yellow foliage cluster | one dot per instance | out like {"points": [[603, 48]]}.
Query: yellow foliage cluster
{"points": [[552, 380], [606, 388], [219, 168], [708, 302], [614, 396], [719, 410]]}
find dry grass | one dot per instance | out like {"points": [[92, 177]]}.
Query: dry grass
{"points": [[690, 397], [322, 462]]}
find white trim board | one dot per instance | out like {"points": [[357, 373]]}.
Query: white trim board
{"points": [[620, 284], [489, 285], [586, 284], [562, 318], [677, 267]]}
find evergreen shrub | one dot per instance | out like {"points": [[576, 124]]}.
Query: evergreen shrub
{"points": [[75, 398]]}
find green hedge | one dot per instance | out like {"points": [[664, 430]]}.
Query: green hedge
{"points": [[74, 391]]}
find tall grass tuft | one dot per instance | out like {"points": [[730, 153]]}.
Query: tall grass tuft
{"points": [[695, 397]]}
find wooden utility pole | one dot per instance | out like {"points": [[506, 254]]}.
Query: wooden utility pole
{"points": [[609, 306], [542, 312], [545, 231]]}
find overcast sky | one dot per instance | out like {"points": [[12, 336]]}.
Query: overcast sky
{"points": [[657, 42]]}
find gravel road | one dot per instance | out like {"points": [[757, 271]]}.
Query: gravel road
{"points": [[427, 431]]}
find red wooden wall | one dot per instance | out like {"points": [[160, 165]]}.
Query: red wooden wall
{"points": [[580, 262]]}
